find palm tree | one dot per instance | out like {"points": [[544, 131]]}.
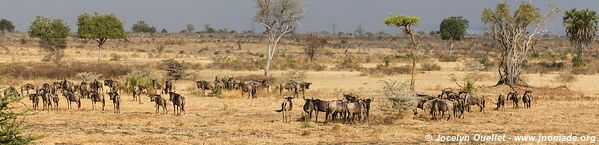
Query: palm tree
{"points": [[581, 28]]}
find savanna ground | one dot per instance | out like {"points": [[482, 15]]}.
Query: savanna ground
{"points": [[560, 107]]}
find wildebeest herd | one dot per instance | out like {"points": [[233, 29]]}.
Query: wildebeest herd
{"points": [[94, 91], [349, 109], [455, 103]]}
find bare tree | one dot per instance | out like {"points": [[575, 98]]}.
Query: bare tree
{"points": [[278, 17], [360, 30], [190, 28], [511, 32]]}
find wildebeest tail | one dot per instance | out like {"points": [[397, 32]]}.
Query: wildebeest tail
{"points": [[282, 107]]}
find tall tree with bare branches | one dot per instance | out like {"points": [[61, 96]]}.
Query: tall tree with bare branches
{"points": [[278, 17], [581, 29], [511, 31], [406, 22]]}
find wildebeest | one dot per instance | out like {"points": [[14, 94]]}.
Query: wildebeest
{"points": [[66, 85], [55, 99], [178, 103], [116, 101], [137, 91], [355, 111], [500, 102], [96, 97], [286, 107], [34, 100], [290, 86], [309, 108], [160, 102], [302, 87], [249, 87], [84, 90], [168, 86], [112, 84], [513, 96], [470, 99], [46, 101], [70, 97], [441, 106], [337, 107], [11, 91], [527, 98], [96, 86], [366, 103], [203, 86], [26, 87], [156, 86], [320, 106]]}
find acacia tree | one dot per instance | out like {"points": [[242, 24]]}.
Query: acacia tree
{"points": [[6, 26], [52, 34], [143, 27], [453, 28], [278, 17], [510, 30], [100, 28], [406, 22], [581, 28]]}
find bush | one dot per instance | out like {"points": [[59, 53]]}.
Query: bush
{"points": [[10, 129], [115, 57], [174, 69], [138, 78], [566, 77], [294, 75], [447, 58], [578, 62], [430, 67], [397, 97], [484, 60]]}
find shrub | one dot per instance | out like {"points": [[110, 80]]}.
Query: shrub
{"points": [[396, 97], [31, 70], [578, 62], [294, 75], [115, 57], [10, 129], [447, 58], [138, 78], [430, 67], [174, 69]]}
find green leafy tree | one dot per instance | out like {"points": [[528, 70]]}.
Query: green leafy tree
{"points": [[453, 28], [6, 26], [163, 31], [278, 17], [10, 128], [511, 31], [209, 29], [52, 34], [142, 27], [581, 29], [406, 22], [100, 28]]}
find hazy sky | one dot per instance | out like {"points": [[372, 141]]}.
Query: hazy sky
{"points": [[173, 15]]}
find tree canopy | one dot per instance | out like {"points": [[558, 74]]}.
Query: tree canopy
{"points": [[581, 29], [6, 26], [100, 27], [47, 28], [143, 27], [453, 28], [401, 20]]}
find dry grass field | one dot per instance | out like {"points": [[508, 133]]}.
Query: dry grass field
{"points": [[558, 108]]}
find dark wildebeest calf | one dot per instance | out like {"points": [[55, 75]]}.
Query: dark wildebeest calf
{"points": [[513, 96], [35, 100], [178, 103], [309, 108], [168, 87], [116, 101], [160, 102], [527, 98], [286, 107], [500, 102], [55, 99]]}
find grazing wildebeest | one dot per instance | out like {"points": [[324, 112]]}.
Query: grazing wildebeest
{"points": [[309, 107], [203, 86], [320, 106], [337, 107], [26, 87], [290, 86], [527, 98], [286, 107], [96, 86], [160, 102], [178, 103], [137, 91], [116, 101], [55, 99], [513, 96], [156, 86], [96, 97], [248, 87], [168, 87], [70, 97], [34, 100], [302, 87], [500, 102]]}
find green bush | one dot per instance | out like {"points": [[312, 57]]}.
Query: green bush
{"points": [[141, 78], [578, 62], [10, 129]]}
